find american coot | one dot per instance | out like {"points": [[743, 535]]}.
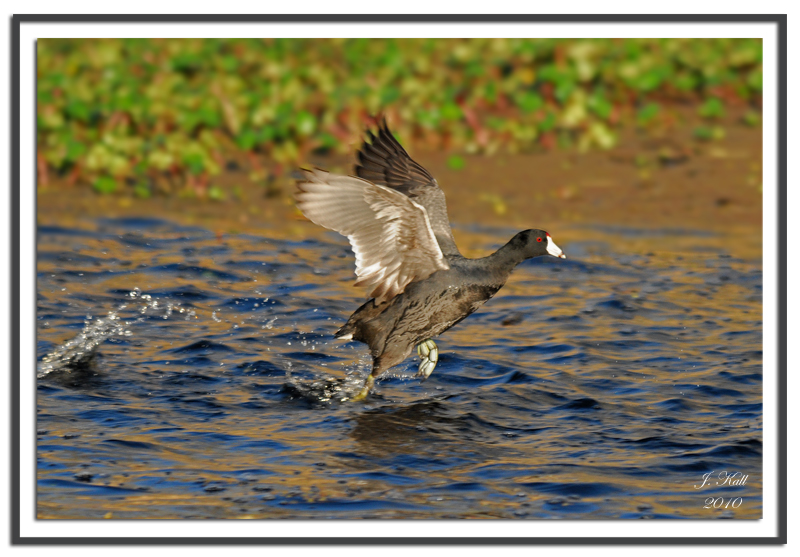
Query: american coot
{"points": [[395, 216]]}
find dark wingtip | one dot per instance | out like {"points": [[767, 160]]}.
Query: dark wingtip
{"points": [[384, 129], [305, 172]]}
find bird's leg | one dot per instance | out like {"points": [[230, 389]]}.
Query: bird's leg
{"points": [[365, 389], [429, 355]]}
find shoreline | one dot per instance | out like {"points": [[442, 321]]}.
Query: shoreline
{"points": [[653, 180]]}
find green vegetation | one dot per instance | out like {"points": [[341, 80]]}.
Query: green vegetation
{"points": [[455, 162], [164, 115]]}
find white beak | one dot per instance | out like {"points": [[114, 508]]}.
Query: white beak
{"points": [[553, 249]]}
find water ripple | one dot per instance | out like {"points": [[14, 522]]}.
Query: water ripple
{"points": [[196, 367]]}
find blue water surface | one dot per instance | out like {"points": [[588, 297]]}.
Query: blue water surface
{"points": [[186, 374]]}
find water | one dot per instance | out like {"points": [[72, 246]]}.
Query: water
{"points": [[184, 374]]}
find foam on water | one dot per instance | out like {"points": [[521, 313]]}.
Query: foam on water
{"points": [[80, 351]]}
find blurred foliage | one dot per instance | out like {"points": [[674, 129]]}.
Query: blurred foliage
{"points": [[161, 115], [455, 162]]}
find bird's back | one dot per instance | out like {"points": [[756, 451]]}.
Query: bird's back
{"points": [[425, 310]]}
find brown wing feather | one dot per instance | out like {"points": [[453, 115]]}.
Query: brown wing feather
{"points": [[382, 160], [390, 234]]}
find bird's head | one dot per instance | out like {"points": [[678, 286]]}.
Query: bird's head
{"points": [[536, 242]]}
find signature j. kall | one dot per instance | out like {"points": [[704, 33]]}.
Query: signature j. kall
{"points": [[722, 479]]}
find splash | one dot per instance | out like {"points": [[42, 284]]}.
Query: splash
{"points": [[326, 388], [79, 352]]}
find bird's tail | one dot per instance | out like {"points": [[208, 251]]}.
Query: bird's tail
{"points": [[346, 331]]}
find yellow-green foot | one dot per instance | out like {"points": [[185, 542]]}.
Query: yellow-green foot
{"points": [[368, 384], [429, 355]]}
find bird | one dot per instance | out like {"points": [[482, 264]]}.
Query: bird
{"points": [[394, 214]]}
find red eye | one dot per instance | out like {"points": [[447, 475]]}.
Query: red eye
{"points": [[538, 239]]}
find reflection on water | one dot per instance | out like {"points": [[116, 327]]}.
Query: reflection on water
{"points": [[185, 374]]}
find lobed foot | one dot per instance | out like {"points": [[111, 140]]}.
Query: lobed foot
{"points": [[362, 394], [429, 354]]}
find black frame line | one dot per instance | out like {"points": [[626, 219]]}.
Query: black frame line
{"points": [[779, 19]]}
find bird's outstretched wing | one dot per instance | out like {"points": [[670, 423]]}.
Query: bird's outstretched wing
{"points": [[390, 233], [383, 161]]}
